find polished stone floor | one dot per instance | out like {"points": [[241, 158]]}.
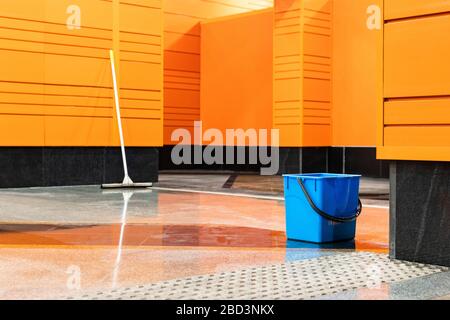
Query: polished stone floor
{"points": [[372, 191], [57, 242]]}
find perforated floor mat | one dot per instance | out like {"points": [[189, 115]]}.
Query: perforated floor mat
{"points": [[306, 279]]}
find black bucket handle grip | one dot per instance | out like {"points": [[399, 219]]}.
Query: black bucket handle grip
{"points": [[325, 215]]}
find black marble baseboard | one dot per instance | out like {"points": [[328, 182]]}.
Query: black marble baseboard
{"points": [[296, 160], [291, 160], [166, 163], [303, 160], [420, 212], [354, 160], [65, 166]]}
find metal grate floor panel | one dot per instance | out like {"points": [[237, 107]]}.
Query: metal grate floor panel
{"points": [[306, 279]]}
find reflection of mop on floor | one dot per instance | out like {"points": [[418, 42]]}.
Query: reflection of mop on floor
{"points": [[127, 182], [126, 198], [123, 222]]}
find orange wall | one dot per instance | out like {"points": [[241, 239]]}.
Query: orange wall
{"points": [[182, 55], [55, 83], [236, 72], [356, 73]]}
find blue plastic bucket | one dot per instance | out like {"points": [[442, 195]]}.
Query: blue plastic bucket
{"points": [[321, 208]]}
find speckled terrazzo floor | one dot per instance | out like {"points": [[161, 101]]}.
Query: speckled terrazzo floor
{"points": [[55, 241]]}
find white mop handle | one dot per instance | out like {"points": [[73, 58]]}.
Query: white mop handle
{"points": [[119, 119]]}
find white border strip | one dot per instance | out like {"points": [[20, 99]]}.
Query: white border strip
{"points": [[243, 195], [218, 193]]}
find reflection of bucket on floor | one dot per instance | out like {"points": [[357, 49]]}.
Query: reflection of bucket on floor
{"points": [[300, 250], [341, 245], [321, 208]]}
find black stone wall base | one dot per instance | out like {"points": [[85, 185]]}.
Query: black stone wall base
{"points": [[420, 212], [357, 161], [165, 161], [297, 160], [303, 160], [65, 166]]}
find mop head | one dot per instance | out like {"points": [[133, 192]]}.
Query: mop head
{"points": [[127, 185]]}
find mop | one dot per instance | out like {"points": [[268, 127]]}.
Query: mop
{"points": [[127, 182]]}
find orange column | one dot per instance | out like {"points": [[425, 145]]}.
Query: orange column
{"points": [[302, 72]]}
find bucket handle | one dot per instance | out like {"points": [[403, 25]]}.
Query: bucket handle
{"points": [[325, 215]]}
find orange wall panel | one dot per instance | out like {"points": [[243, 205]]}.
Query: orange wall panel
{"points": [[395, 9], [69, 75], [182, 55], [76, 130], [56, 83], [416, 109], [15, 130], [417, 136], [236, 72], [416, 57], [356, 73]]}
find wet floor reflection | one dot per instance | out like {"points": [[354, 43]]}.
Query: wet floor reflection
{"points": [[343, 245], [126, 199], [142, 235], [164, 235], [86, 216]]}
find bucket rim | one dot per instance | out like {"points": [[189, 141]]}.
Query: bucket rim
{"points": [[321, 176]]}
